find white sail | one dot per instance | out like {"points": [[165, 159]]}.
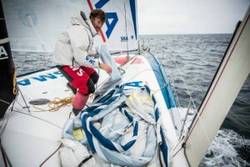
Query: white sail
{"points": [[120, 31], [226, 85], [34, 25]]}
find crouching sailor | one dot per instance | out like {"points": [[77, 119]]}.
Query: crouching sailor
{"points": [[75, 58]]}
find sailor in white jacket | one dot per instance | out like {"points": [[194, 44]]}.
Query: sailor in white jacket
{"points": [[75, 58]]}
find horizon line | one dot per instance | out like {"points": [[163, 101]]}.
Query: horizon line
{"points": [[186, 33]]}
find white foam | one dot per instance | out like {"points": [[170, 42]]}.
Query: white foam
{"points": [[222, 150]]}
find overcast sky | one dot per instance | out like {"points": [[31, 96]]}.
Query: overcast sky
{"points": [[189, 16]]}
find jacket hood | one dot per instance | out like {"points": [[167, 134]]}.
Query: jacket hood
{"points": [[78, 20]]}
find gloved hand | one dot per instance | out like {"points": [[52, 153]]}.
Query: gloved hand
{"points": [[106, 68], [93, 54]]}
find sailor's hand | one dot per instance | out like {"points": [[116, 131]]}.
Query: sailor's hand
{"points": [[93, 54], [105, 67]]}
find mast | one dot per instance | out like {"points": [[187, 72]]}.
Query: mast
{"points": [[7, 69], [232, 72]]}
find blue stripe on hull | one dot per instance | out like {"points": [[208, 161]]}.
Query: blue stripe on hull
{"points": [[162, 80]]}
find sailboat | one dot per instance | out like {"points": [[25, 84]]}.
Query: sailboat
{"points": [[39, 111]]}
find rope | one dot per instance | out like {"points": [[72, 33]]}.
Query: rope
{"points": [[188, 93], [26, 105], [185, 86], [14, 90], [55, 105], [175, 93], [5, 156], [53, 153], [184, 122]]}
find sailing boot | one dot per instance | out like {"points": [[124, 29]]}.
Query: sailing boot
{"points": [[78, 102]]}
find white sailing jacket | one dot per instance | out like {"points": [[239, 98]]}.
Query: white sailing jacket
{"points": [[75, 45]]}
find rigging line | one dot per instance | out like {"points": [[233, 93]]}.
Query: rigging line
{"points": [[5, 156], [24, 100], [187, 90], [21, 105], [178, 115], [43, 120], [177, 95], [2, 129], [185, 85], [7, 119], [184, 122], [172, 84], [179, 149], [4, 159], [177, 98], [175, 91], [187, 112], [53, 153]]}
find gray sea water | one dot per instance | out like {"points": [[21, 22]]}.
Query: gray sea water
{"points": [[190, 62]]}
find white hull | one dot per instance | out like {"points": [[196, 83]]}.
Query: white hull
{"points": [[38, 133]]}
